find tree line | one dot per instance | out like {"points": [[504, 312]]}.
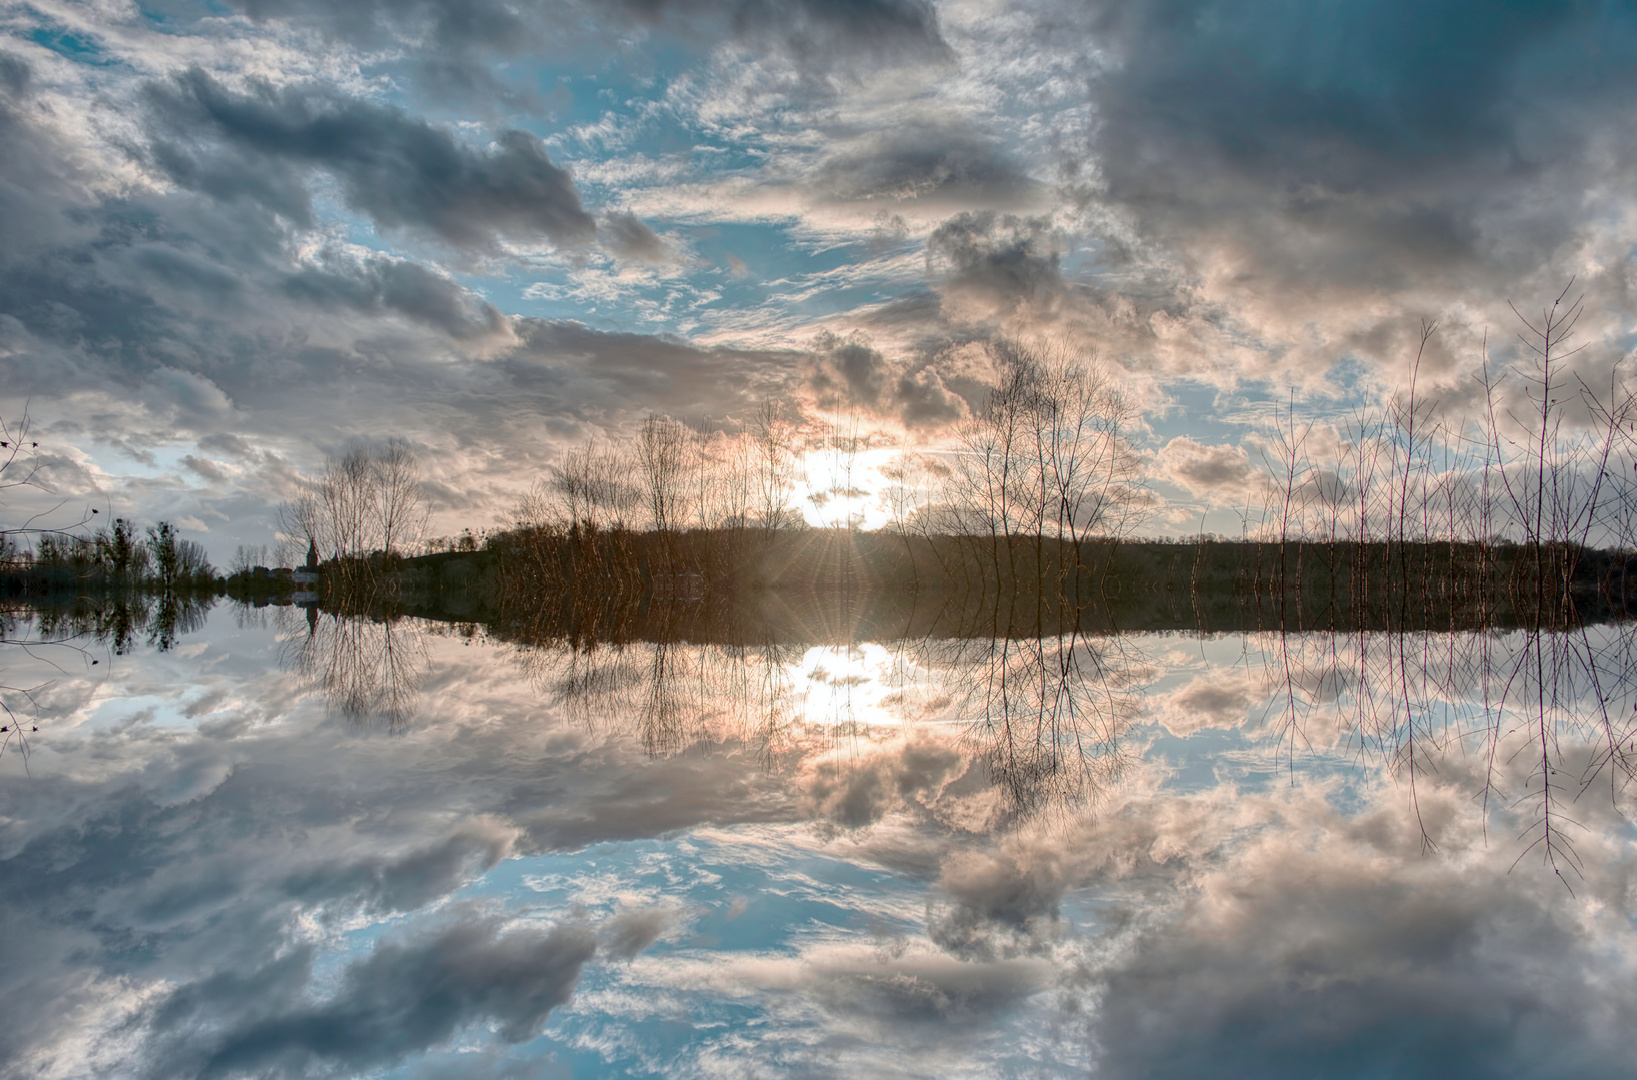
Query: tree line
{"points": [[1523, 487], [117, 557]]}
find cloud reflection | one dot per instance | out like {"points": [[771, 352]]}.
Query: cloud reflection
{"points": [[664, 845]]}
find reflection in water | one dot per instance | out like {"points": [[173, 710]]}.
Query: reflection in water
{"points": [[119, 621], [819, 855], [368, 670], [55, 635], [1041, 719], [1044, 720], [1549, 716], [1046, 716]]}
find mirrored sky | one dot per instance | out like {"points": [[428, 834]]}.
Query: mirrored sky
{"points": [[237, 236], [286, 849]]}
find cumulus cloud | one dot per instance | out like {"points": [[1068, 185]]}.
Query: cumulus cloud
{"points": [[410, 993], [854, 793], [993, 263], [1221, 472], [849, 373], [1311, 182], [1000, 901], [401, 171], [1217, 700], [1319, 949]]}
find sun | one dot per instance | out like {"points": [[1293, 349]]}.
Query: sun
{"points": [[835, 489]]}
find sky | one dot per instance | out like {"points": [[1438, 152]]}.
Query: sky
{"points": [[237, 236]]}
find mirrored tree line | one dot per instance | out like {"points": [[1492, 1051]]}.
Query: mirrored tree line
{"points": [[1543, 722], [1537, 726]]}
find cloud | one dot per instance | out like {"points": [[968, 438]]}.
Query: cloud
{"points": [[825, 32], [848, 373], [631, 240], [378, 285], [15, 74], [629, 932], [655, 373], [1222, 472], [922, 988], [146, 321], [815, 33], [1227, 196], [1323, 950], [406, 881], [160, 833], [1000, 902], [1305, 183], [1368, 99], [412, 992], [205, 896], [854, 793], [401, 171], [922, 164], [1217, 700], [989, 264]]}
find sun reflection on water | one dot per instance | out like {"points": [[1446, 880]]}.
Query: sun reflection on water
{"points": [[866, 685]]}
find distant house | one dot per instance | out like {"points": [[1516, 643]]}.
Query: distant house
{"points": [[284, 575]]}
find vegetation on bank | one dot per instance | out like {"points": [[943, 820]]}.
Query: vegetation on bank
{"points": [[116, 558], [827, 585]]}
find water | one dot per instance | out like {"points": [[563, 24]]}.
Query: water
{"points": [[285, 847]]}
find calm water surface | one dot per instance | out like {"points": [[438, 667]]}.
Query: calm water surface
{"points": [[287, 848]]}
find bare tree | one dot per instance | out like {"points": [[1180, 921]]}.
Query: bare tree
{"points": [[346, 495], [662, 450], [399, 497], [363, 501], [300, 522], [246, 557], [775, 476], [1048, 455]]}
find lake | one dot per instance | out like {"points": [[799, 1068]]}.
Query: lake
{"points": [[292, 844]]}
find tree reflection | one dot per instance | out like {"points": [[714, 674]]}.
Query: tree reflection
{"points": [[368, 670], [120, 621], [1041, 719], [1539, 716], [1046, 717], [673, 695], [1546, 716]]}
